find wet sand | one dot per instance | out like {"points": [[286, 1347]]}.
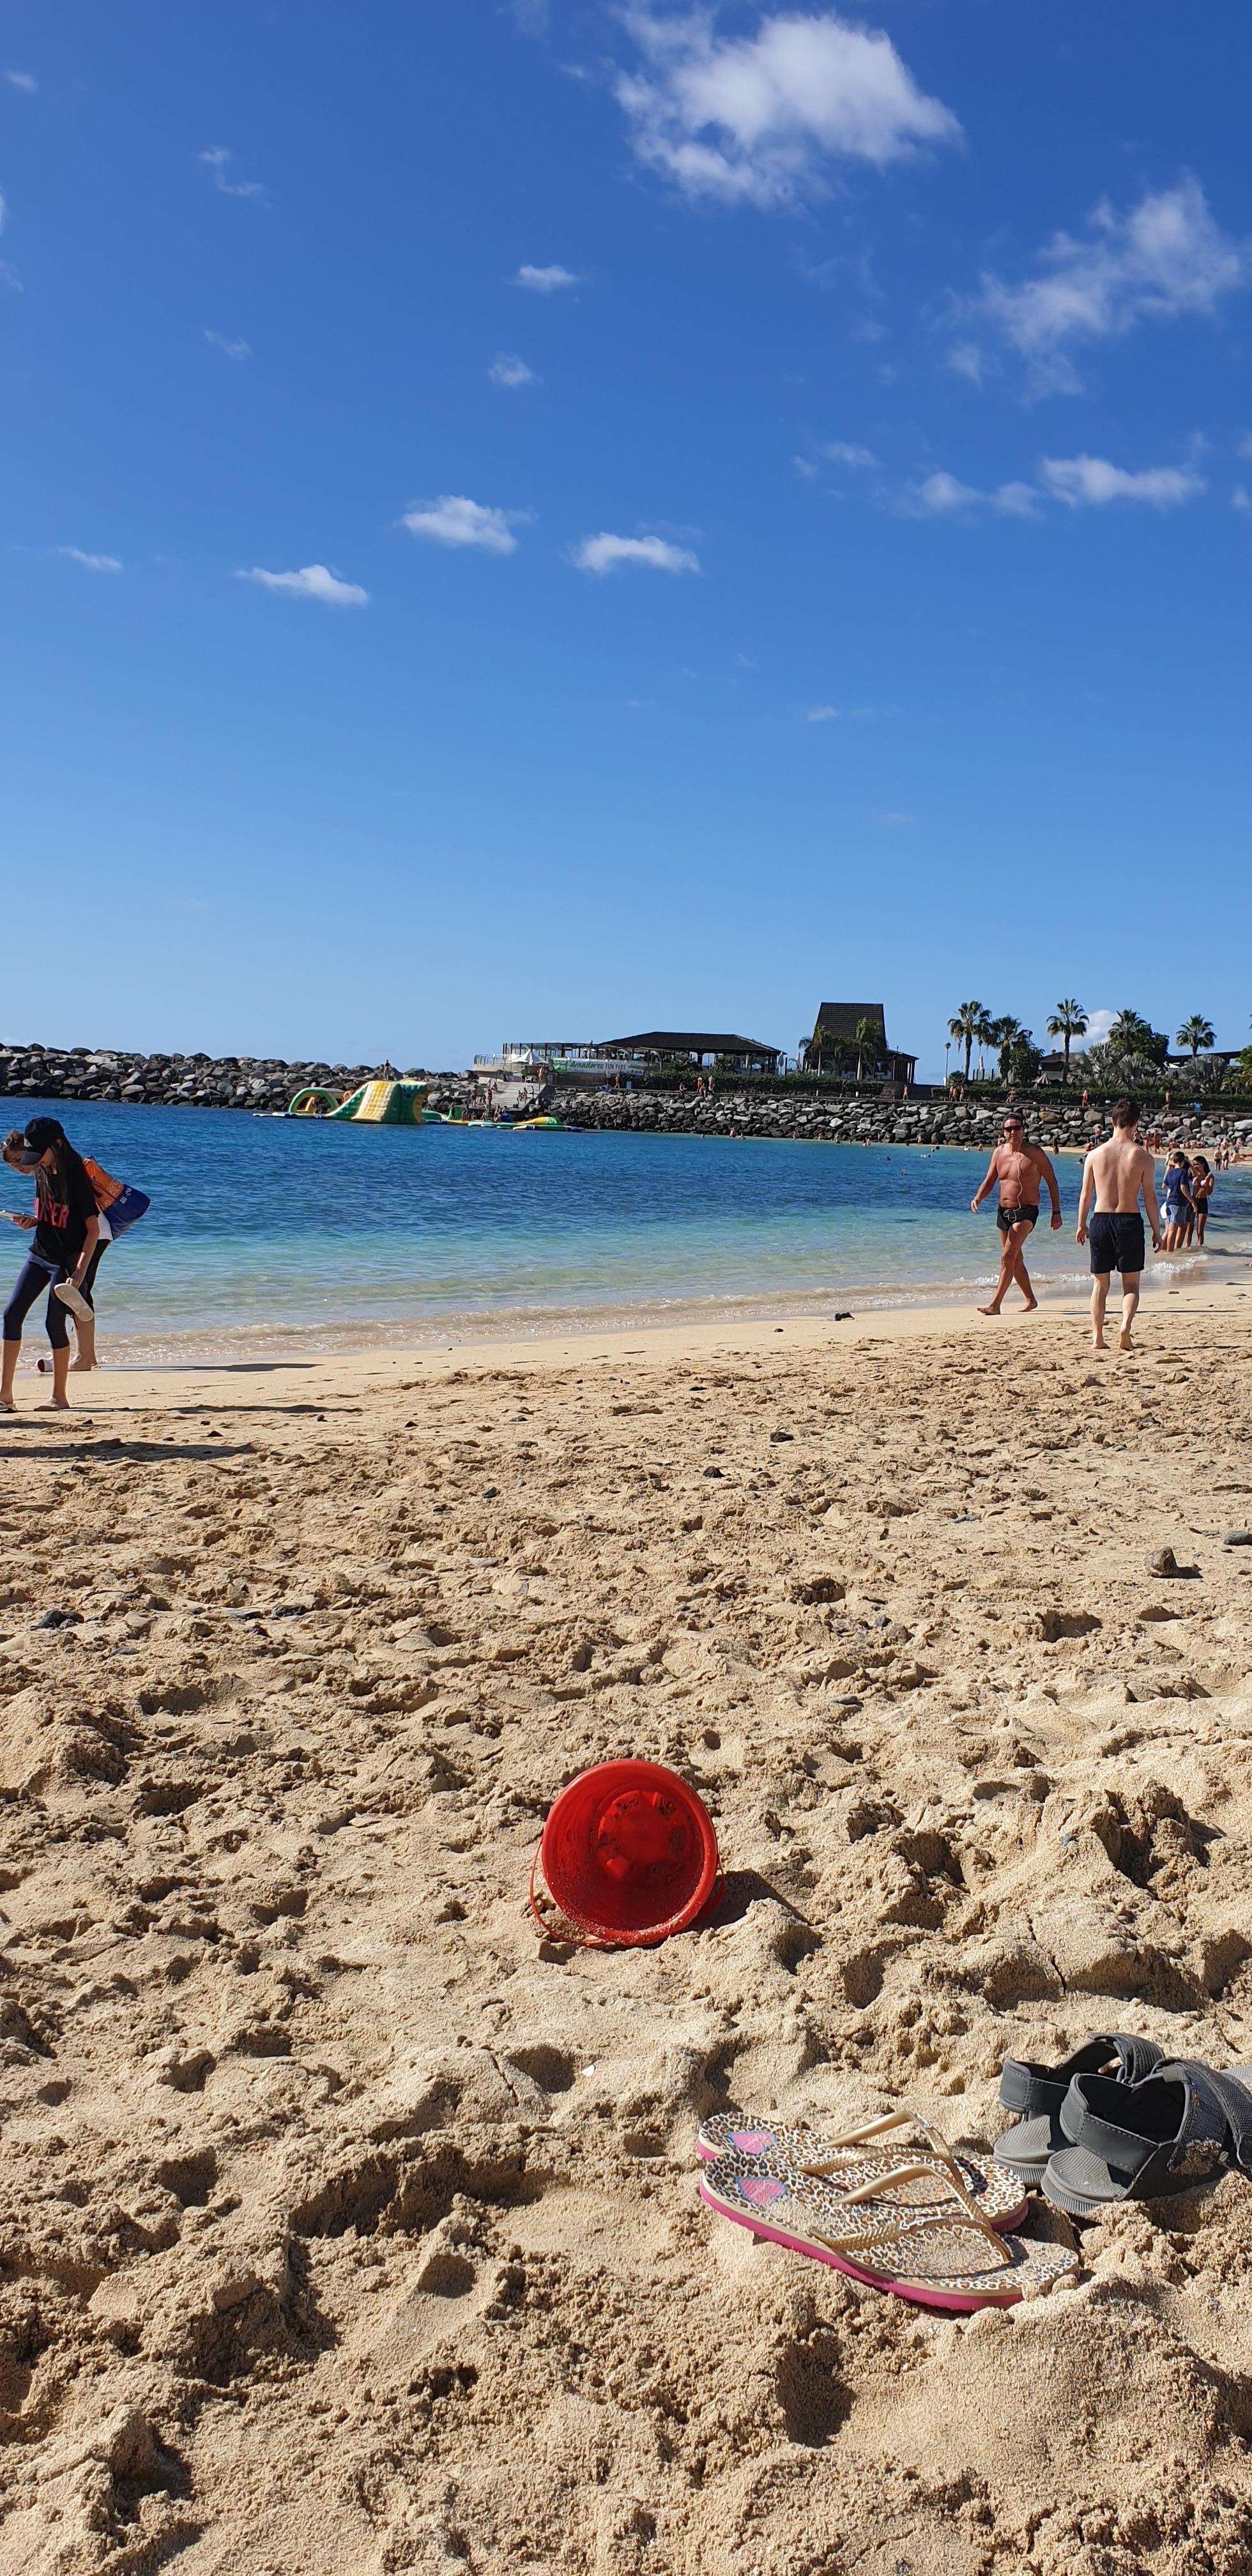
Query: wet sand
{"points": [[351, 2230]]}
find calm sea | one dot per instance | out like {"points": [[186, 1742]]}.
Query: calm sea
{"points": [[268, 1235]]}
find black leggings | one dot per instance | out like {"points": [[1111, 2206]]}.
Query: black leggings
{"points": [[34, 1276], [88, 1280]]}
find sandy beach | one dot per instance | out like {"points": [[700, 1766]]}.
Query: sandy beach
{"points": [[352, 2230]]}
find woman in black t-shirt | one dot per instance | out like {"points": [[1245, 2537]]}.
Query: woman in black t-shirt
{"points": [[65, 1227]]}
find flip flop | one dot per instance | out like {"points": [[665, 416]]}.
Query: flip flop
{"points": [[844, 2163], [939, 2258], [1180, 2127], [1038, 2095]]}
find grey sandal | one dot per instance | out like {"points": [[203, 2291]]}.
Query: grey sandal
{"points": [[1038, 2095], [1178, 2128]]}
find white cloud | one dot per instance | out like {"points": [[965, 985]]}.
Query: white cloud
{"points": [[894, 821], [90, 563], [752, 119], [1240, 500], [1164, 258], [229, 348], [840, 451], [967, 359], [511, 371], [938, 497], [23, 80], [1079, 481], [1098, 1025], [1243, 446], [601, 554], [822, 715], [1089, 482], [545, 281], [218, 159], [313, 581], [453, 520]]}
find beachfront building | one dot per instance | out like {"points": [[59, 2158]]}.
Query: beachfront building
{"points": [[650, 1051], [690, 1051], [836, 1046]]}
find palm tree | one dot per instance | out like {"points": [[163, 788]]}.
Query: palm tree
{"points": [[865, 1035], [969, 1028], [1068, 1021], [1006, 1034], [1195, 1033], [817, 1044], [1130, 1034]]}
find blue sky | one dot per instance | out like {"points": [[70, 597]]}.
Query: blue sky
{"points": [[552, 519]]}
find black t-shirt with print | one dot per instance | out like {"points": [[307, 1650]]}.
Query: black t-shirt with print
{"points": [[64, 1206]]}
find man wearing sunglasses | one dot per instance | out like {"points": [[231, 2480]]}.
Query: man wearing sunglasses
{"points": [[1019, 1170]]}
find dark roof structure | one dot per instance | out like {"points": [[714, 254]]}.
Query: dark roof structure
{"points": [[675, 1042], [839, 1019]]}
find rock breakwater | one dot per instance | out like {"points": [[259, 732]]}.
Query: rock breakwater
{"points": [[182, 1081], [826, 1119]]}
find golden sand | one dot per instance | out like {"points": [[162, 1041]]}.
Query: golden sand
{"points": [[348, 2230]]}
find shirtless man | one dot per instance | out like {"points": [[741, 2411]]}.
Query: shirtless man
{"points": [[1018, 1168], [1116, 1175]]}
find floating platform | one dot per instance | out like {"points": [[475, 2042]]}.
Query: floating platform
{"points": [[372, 1104]]}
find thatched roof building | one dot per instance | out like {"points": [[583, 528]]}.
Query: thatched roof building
{"points": [[834, 1040]]}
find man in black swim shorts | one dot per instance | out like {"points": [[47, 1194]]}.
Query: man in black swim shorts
{"points": [[1017, 1169], [1116, 1175]]}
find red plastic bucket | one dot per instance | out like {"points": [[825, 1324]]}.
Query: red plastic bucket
{"points": [[628, 1854]]}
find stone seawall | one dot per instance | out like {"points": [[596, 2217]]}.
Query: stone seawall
{"points": [[814, 1119], [186, 1081]]}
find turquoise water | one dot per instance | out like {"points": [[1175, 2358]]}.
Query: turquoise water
{"points": [[268, 1235]]}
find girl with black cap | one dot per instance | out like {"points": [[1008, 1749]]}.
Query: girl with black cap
{"points": [[66, 1227]]}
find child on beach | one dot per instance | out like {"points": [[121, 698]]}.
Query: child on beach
{"points": [[1176, 1204], [1202, 1185], [66, 1230]]}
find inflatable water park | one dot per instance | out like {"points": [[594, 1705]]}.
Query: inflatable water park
{"points": [[391, 1103], [380, 1103]]}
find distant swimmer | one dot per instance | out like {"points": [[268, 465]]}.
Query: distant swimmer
{"points": [[1117, 1175], [1018, 1169]]}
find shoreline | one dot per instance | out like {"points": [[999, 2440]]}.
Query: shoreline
{"points": [[116, 1386]]}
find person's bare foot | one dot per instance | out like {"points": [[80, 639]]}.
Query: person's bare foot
{"points": [[1030, 1305], [1124, 1342], [988, 1310], [1099, 1346], [80, 1368], [55, 1404]]}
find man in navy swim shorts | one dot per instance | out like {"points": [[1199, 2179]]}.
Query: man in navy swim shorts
{"points": [[1117, 1175]]}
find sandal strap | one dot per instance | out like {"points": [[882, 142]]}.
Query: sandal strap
{"points": [[1029, 2089], [895, 2225], [1206, 2118], [896, 2231], [881, 2128], [1225, 2100]]}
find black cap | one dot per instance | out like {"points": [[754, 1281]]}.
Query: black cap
{"points": [[40, 1133]]}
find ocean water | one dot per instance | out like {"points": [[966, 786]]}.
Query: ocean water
{"points": [[269, 1236]]}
